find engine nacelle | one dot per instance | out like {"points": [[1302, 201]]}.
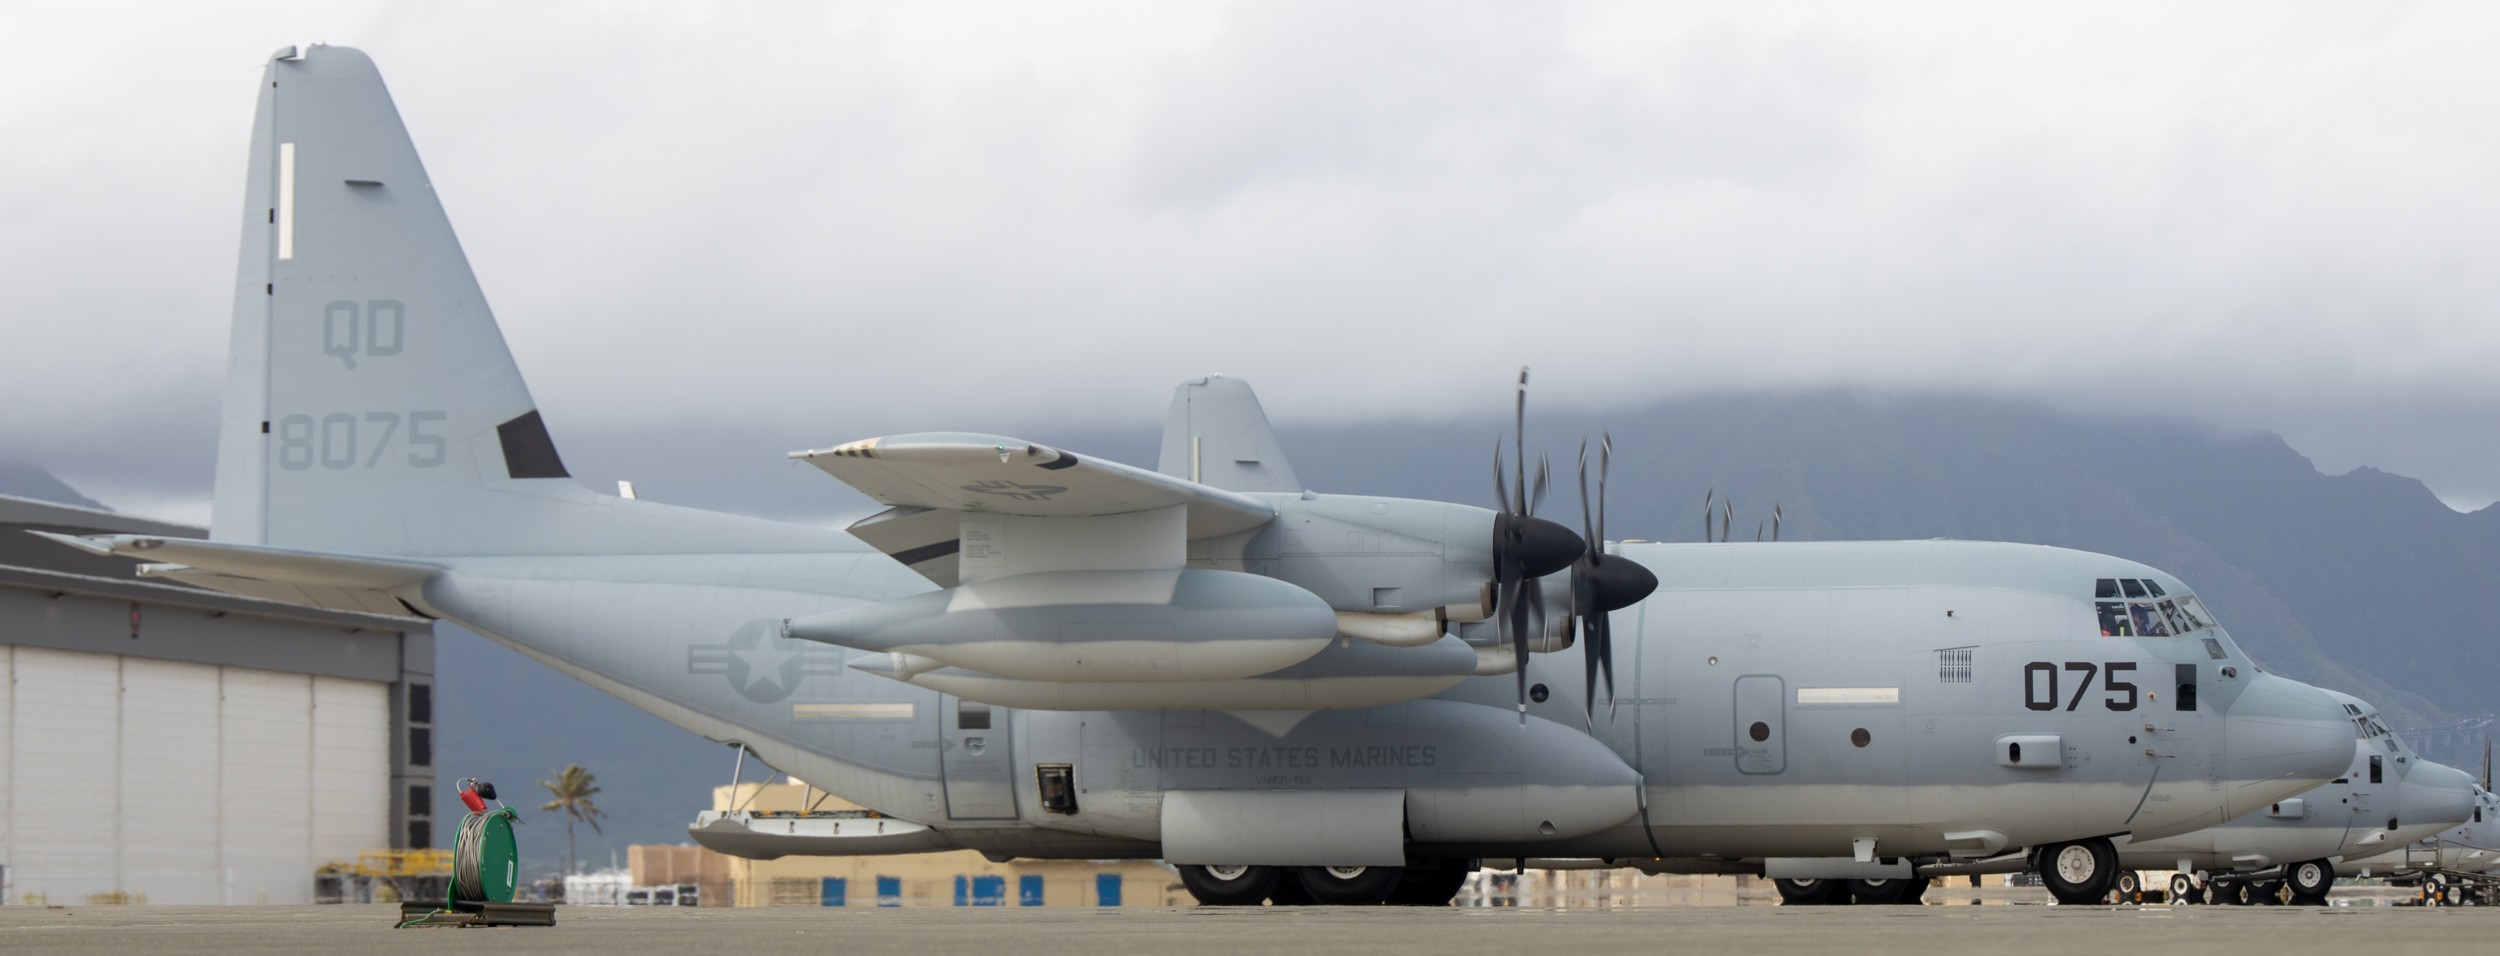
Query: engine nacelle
{"points": [[1091, 626]]}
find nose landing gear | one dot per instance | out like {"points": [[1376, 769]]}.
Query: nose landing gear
{"points": [[2080, 873]]}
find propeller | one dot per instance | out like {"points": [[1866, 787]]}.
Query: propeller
{"points": [[1601, 583], [1525, 547], [1706, 511], [2486, 764]]}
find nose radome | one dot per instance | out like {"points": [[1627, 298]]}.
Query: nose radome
{"points": [[2283, 737], [2434, 797]]}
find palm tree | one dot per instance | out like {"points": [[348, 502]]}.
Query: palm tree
{"points": [[573, 788]]}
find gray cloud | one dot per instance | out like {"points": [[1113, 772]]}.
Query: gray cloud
{"points": [[832, 222]]}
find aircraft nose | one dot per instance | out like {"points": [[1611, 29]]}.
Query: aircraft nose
{"points": [[2434, 797], [2284, 738]]}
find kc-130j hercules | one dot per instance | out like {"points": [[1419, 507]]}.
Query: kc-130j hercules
{"points": [[1050, 655]]}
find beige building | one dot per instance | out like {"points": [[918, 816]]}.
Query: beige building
{"points": [[953, 878]]}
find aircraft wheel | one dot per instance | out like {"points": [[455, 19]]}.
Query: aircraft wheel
{"points": [[1289, 891], [2184, 891], [2233, 894], [2267, 893], [1812, 892], [1229, 885], [1883, 892], [1351, 885], [2079, 873], [1433, 883], [2130, 886], [2310, 881]]}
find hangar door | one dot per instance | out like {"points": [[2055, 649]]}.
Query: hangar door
{"points": [[175, 782]]}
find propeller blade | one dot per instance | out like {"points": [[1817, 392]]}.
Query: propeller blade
{"points": [[1775, 522], [1587, 523], [1501, 487], [1758, 527], [1538, 497], [1727, 518], [1706, 511], [2486, 763], [1519, 435], [1605, 459]]}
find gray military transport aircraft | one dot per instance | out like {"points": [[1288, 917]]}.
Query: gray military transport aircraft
{"points": [[1286, 694], [2388, 797]]}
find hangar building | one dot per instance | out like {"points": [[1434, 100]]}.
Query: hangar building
{"points": [[162, 743]]}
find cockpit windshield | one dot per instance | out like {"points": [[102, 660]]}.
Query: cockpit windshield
{"points": [[2146, 610]]}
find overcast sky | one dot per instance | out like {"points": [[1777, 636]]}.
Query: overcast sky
{"points": [[833, 221]]}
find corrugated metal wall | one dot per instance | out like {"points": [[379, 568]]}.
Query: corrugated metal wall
{"points": [[132, 779]]}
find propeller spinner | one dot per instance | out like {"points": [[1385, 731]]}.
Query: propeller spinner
{"points": [[1525, 547], [1601, 583]]}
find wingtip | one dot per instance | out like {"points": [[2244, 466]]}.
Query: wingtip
{"points": [[89, 545]]}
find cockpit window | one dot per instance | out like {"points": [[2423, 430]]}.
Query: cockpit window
{"points": [[2152, 612], [2193, 613], [2170, 613], [2114, 621], [2147, 622]]}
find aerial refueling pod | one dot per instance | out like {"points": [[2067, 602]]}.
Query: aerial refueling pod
{"points": [[1185, 624]]}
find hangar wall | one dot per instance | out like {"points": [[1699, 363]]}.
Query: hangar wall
{"points": [[165, 744]]}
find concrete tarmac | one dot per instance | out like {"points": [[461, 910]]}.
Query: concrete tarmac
{"points": [[1859, 931]]}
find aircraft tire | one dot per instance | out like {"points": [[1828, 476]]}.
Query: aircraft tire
{"points": [[2079, 873], [1351, 885], [2310, 881], [1431, 883], [1812, 892], [2268, 893], [1893, 892], [2235, 893], [2184, 891], [1289, 891], [1229, 885], [2130, 886]]}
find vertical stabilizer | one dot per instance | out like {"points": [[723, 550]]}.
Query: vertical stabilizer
{"points": [[1217, 435], [369, 391]]}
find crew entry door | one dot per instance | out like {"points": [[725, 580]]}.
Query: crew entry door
{"points": [[972, 744], [1761, 725]]}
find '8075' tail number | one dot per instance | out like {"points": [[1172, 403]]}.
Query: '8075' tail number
{"points": [[2040, 684]]}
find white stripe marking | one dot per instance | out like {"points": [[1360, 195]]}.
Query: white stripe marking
{"points": [[286, 201], [902, 711], [1848, 695]]}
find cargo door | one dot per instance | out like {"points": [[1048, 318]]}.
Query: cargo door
{"points": [[1761, 724], [974, 759]]}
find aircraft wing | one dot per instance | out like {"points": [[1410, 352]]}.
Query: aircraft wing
{"points": [[932, 479]]}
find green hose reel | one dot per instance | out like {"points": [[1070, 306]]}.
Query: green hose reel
{"points": [[486, 862]]}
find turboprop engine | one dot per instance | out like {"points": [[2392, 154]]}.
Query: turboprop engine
{"points": [[1182, 624]]}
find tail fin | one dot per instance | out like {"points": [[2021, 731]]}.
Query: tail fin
{"points": [[1217, 435], [367, 380]]}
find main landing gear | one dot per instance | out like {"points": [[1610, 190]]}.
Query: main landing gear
{"points": [[1427, 883], [1897, 892], [2310, 881]]}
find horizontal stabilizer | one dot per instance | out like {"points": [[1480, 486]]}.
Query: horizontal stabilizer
{"points": [[256, 561], [308, 578], [953, 471]]}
